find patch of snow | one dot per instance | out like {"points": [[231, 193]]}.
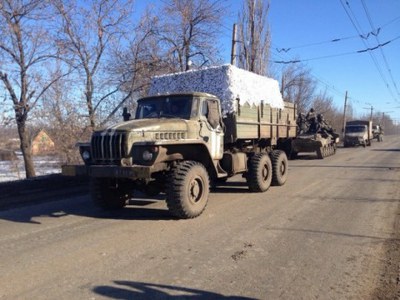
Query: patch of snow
{"points": [[227, 82], [15, 170]]}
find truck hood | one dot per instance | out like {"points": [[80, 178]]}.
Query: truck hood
{"points": [[150, 125]]}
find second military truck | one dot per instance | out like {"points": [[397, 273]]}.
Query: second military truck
{"points": [[358, 132], [195, 129]]}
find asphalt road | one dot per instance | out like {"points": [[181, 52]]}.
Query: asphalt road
{"points": [[331, 232]]}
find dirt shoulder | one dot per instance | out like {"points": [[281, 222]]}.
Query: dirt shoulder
{"points": [[389, 281]]}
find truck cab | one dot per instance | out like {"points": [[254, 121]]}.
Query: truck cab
{"points": [[356, 135]]}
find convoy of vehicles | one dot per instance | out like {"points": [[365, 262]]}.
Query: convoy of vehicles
{"points": [[195, 130], [358, 132]]}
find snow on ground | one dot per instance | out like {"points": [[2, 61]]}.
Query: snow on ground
{"points": [[15, 170]]}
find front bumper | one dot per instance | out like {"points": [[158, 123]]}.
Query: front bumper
{"points": [[353, 141], [133, 172]]}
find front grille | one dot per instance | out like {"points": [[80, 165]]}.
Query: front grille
{"points": [[108, 147]]}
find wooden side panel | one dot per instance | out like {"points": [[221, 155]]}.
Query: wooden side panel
{"points": [[247, 122], [265, 122]]}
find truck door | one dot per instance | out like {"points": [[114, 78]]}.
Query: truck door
{"points": [[211, 127]]}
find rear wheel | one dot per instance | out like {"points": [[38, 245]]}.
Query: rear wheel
{"points": [[109, 194], [187, 190], [259, 177], [279, 167]]}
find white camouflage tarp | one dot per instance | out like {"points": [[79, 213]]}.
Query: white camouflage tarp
{"points": [[227, 82]]}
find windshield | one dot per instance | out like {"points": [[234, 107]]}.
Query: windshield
{"points": [[356, 129], [164, 107]]}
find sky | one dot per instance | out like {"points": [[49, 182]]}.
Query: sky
{"points": [[325, 36]]}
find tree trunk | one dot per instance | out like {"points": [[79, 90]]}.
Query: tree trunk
{"points": [[26, 150]]}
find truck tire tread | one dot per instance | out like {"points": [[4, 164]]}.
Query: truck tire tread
{"points": [[105, 198], [187, 190], [259, 177], [279, 167]]}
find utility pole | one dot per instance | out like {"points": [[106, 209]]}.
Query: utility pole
{"points": [[370, 117], [233, 50], [344, 113], [372, 109], [283, 86]]}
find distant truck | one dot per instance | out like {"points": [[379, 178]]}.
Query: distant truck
{"points": [[358, 132], [377, 132], [183, 137]]}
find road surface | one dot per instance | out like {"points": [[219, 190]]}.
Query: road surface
{"points": [[331, 232]]}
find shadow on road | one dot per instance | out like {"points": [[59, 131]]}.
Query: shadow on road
{"points": [[143, 290], [140, 207], [388, 150], [390, 168], [137, 209]]}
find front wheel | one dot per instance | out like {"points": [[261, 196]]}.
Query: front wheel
{"points": [[108, 194], [187, 190], [259, 176]]}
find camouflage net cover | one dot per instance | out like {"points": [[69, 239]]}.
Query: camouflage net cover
{"points": [[227, 82]]}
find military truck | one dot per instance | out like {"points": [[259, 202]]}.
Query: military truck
{"points": [[358, 132], [377, 133], [179, 143], [314, 135]]}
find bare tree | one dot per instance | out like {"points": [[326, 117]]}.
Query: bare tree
{"points": [[61, 116], [25, 47], [298, 86], [254, 37], [88, 33], [188, 31], [135, 62]]}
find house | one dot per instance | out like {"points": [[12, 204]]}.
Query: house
{"points": [[42, 143]]}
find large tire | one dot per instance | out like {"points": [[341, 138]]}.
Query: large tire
{"points": [[259, 176], [279, 167], [187, 190], [108, 195]]}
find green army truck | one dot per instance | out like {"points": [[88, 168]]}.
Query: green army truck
{"points": [[180, 144]]}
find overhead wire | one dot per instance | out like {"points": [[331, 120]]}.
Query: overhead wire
{"points": [[374, 32], [381, 50], [339, 54], [357, 27]]}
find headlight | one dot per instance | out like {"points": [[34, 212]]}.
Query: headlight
{"points": [[147, 155], [86, 155]]}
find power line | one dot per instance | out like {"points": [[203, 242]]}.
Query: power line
{"points": [[325, 83], [369, 49], [374, 32], [357, 27], [381, 50]]}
